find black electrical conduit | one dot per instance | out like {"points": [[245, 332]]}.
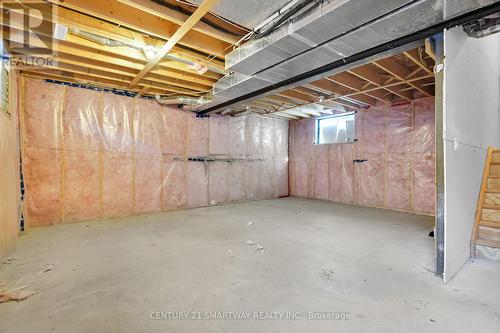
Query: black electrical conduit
{"points": [[422, 34]]}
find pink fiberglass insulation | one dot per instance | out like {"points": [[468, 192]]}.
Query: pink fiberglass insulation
{"points": [[237, 137], [334, 173], [148, 126], [218, 182], [43, 117], [266, 179], [251, 180], [254, 138], [117, 181], [174, 133], [174, 184], [281, 137], [424, 157], [147, 183], [197, 185], [397, 143], [117, 124], [236, 181], [91, 154], [42, 174], [82, 194], [197, 136], [218, 130]]}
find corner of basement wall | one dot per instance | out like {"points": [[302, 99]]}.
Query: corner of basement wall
{"points": [[9, 171], [471, 122]]}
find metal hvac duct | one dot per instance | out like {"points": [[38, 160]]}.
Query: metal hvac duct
{"points": [[328, 32]]}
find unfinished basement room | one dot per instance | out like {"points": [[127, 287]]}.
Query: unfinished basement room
{"points": [[250, 166]]}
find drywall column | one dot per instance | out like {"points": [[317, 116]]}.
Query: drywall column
{"points": [[471, 124], [439, 220], [9, 171]]}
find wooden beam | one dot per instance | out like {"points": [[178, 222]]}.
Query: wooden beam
{"points": [[298, 113], [283, 100], [415, 55], [125, 79], [401, 73], [122, 55], [179, 34], [343, 99], [430, 48], [123, 15], [97, 77], [286, 115], [144, 90], [89, 59], [353, 82], [368, 74], [179, 18], [297, 96], [116, 32], [359, 96]]}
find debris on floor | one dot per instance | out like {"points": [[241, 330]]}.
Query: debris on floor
{"points": [[9, 260], [249, 242], [19, 292], [47, 268], [17, 295], [327, 274], [250, 223], [260, 249]]}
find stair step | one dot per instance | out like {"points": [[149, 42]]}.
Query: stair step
{"points": [[492, 191], [491, 224], [488, 242], [494, 170], [492, 198], [492, 207], [494, 176], [490, 214], [487, 252], [495, 157], [493, 184], [489, 233]]}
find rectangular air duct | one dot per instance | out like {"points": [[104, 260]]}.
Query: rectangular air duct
{"points": [[328, 32]]}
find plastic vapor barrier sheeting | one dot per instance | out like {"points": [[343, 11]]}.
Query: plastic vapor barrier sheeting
{"points": [[91, 155], [395, 160]]}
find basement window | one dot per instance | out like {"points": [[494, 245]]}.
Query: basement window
{"points": [[339, 128]]}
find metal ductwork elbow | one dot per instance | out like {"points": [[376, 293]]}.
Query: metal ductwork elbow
{"points": [[185, 103]]}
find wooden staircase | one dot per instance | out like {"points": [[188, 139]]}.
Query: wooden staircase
{"points": [[486, 232]]}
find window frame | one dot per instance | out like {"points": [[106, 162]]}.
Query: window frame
{"points": [[340, 115]]}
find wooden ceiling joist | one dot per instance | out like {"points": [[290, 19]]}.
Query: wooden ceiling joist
{"points": [[108, 39], [297, 96], [401, 73], [96, 26], [125, 79], [178, 35], [416, 55], [179, 18], [85, 79], [123, 15]]}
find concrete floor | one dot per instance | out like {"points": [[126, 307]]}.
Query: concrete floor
{"points": [[318, 256]]}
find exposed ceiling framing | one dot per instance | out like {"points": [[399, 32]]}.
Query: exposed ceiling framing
{"points": [[106, 47], [81, 59], [401, 78]]}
